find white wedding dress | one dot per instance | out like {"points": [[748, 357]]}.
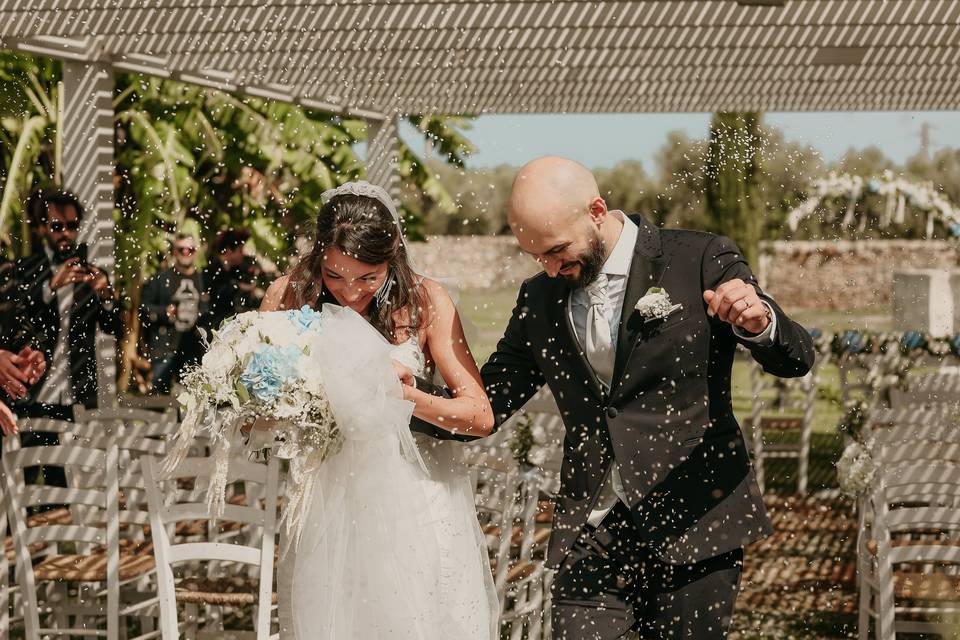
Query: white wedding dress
{"points": [[390, 547]]}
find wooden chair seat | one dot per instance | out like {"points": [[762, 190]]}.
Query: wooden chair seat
{"points": [[55, 516], [545, 512], [781, 423], [91, 567], [519, 571], [229, 591], [540, 536], [926, 586], [872, 545]]}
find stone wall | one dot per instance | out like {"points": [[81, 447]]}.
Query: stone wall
{"points": [[801, 275], [845, 274], [477, 262]]}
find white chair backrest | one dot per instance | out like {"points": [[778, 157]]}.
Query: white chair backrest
{"points": [[135, 433], [191, 506], [919, 500], [99, 497], [906, 443], [82, 414], [929, 390]]}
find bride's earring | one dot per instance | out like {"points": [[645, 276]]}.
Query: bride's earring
{"points": [[382, 295]]}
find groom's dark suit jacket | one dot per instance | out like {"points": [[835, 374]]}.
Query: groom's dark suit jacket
{"points": [[668, 419]]}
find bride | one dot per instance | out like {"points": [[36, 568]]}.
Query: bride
{"points": [[390, 547]]}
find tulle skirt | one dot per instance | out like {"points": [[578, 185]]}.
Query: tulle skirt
{"points": [[389, 547]]}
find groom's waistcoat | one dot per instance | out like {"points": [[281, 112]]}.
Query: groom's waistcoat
{"points": [[668, 418]]}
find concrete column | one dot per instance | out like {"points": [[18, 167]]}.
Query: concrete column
{"points": [[88, 168]]}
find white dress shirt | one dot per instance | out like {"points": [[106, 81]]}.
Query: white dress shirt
{"points": [[617, 270], [58, 388]]}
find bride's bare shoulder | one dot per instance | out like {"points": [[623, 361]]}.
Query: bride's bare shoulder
{"points": [[274, 296]]}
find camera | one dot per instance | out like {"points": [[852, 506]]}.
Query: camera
{"points": [[78, 252]]}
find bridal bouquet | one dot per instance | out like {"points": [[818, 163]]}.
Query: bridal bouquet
{"points": [[259, 366]]}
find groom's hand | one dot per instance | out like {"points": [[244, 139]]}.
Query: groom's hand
{"points": [[736, 302], [405, 374]]}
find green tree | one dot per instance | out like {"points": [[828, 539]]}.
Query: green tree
{"points": [[30, 146], [628, 187], [679, 183], [731, 179], [198, 160]]}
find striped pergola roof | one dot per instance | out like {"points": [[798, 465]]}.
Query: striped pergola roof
{"points": [[460, 56]]}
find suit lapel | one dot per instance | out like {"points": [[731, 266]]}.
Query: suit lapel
{"points": [[646, 270], [558, 316]]}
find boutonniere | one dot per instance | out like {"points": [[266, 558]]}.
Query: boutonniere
{"points": [[655, 304]]}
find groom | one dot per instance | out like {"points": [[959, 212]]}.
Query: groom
{"points": [[657, 496]]}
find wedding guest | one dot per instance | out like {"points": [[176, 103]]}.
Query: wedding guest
{"points": [[8, 421], [17, 372], [59, 299], [228, 279], [171, 306]]}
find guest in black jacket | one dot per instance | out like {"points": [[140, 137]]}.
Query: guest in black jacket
{"points": [[171, 306], [59, 299], [228, 280]]}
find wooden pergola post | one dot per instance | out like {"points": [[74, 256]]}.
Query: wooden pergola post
{"points": [[87, 126]]}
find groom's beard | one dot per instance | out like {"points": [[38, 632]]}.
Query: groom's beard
{"points": [[591, 262]]}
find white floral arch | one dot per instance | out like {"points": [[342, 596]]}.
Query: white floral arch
{"points": [[920, 196]]}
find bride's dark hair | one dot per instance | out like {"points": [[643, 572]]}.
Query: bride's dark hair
{"points": [[364, 229]]}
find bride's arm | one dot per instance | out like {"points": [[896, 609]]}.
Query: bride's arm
{"points": [[468, 412]]}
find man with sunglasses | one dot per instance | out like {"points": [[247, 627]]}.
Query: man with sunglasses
{"points": [[59, 300], [170, 306]]}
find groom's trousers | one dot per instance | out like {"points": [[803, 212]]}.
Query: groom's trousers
{"points": [[611, 585]]}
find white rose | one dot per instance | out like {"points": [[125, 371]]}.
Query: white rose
{"points": [[539, 434], [311, 373], [219, 361], [278, 329], [537, 455]]}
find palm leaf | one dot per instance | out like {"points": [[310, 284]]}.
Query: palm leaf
{"points": [[24, 158]]}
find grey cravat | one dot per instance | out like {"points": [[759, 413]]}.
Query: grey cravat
{"points": [[598, 345]]}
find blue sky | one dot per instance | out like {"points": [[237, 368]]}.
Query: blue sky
{"points": [[601, 140]]}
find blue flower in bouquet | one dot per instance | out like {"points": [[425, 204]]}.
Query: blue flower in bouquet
{"points": [[955, 229], [305, 318], [268, 368]]}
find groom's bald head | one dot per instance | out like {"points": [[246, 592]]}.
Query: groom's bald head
{"points": [[550, 191], [556, 213]]}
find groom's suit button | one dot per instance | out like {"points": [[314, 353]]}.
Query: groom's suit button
{"points": [[612, 412]]}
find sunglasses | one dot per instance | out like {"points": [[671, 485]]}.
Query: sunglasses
{"points": [[185, 251], [57, 226]]}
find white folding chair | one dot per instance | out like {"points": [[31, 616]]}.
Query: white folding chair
{"points": [[61, 515], [909, 551], [792, 411], [521, 577], [929, 391], [135, 433], [63, 571], [170, 505]]}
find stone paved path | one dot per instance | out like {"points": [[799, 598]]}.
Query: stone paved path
{"points": [[801, 581]]}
